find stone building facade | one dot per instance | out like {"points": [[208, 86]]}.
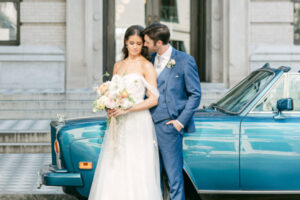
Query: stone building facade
{"points": [[63, 43]]}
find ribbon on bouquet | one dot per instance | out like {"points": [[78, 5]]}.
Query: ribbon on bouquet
{"points": [[113, 134]]}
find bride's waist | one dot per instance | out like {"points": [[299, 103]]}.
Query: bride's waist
{"points": [[140, 113]]}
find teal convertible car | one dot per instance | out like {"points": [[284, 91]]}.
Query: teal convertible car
{"points": [[247, 142]]}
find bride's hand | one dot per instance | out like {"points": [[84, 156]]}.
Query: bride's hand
{"points": [[108, 112], [118, 111]]}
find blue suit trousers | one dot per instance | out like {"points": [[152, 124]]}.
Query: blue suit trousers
{"points": [[170, 147]]}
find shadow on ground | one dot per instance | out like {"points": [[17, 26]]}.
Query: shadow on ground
{"points": [[36, 197], [250, 197]]}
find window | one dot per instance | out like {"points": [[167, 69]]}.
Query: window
{"points": [[9, 22], [279, 91], [238, 97], [178, 44], [297, 22], [270, 101], [294, 90], [168, 11]]}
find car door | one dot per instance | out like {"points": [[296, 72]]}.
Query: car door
{"points": [[270, 146], [211, 154]]}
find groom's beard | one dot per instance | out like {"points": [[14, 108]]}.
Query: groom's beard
{"points": [[154, 49], [150, 51]]}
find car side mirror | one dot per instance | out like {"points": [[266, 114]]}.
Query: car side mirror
{"points": [[283, 105]]}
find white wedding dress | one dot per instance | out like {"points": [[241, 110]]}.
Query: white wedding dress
{"points": [[128, 165]]}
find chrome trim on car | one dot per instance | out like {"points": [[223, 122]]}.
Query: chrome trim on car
{"points": [[269, 112], [248, 191], [60, 118], [102, 116]]}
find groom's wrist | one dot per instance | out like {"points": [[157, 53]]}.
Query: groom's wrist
{"points": [[180, 123]]}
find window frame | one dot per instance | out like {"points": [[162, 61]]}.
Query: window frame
{"points": [[175, 20], [296, 42], [17, 41], [286, 94]]}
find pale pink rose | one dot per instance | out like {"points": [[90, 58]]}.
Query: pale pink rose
{"points": [[173, 62]]}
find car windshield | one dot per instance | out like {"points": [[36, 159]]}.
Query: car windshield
{"points": [[237, 98]]}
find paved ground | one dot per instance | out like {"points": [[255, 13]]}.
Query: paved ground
{"points": [[18, 174], [252, 197]]}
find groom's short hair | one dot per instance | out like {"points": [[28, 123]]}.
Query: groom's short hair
{"points": [[157, 31]]}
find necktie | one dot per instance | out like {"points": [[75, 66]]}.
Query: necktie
{"points": [[159, 59]]}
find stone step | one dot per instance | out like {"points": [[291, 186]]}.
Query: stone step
{"points": [[44, 105], [48, 96], [52, 113], [63, 106], [77, 97], [212, 86], [18, 147], [46, 114], [25, 136], [36, 196]]}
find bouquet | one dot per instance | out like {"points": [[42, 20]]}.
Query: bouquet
{"points": [[111, 95]]}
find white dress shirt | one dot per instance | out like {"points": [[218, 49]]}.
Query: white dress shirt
{"points": [[161, 61]]}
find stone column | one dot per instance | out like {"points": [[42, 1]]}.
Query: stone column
{"points": [[84, 43], [227, 44], [238, 34], [215, 46]]}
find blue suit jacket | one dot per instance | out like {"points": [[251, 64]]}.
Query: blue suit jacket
{"points": [[183, 91]]}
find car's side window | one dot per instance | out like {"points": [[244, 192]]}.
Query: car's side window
{"points": [[294, 90], [270, 101]]}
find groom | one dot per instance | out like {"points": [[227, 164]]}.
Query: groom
{"points": [[180, 93]]}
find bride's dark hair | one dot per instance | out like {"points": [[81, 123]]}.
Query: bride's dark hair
{"points": [[134, 30]]}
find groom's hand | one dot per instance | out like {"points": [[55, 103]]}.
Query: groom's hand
{"points": [[108, 112], [175, 124]]}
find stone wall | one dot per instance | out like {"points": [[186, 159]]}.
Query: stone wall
{"points": [[60, 47], [44, 22], [39, 61], [272, 34]]}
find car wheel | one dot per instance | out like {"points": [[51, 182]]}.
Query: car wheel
{"points": [[189, 190], [73, 192]]}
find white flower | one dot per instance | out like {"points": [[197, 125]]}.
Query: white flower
{"points": [[171, 63]]}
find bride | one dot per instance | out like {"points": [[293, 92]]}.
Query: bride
{"points": [[128, 167]]}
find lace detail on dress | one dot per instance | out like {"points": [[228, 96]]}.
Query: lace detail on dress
{"points": [[135, 85]]}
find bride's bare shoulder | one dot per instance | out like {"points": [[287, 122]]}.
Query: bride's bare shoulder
{"points": [[117, 66], [148, 68], [147, 64], [118, 63]]}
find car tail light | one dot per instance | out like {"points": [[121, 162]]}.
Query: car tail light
{"points": [[85, 165]]}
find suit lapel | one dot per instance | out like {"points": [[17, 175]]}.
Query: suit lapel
{"points": [[164, 75], [173, 56]]}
